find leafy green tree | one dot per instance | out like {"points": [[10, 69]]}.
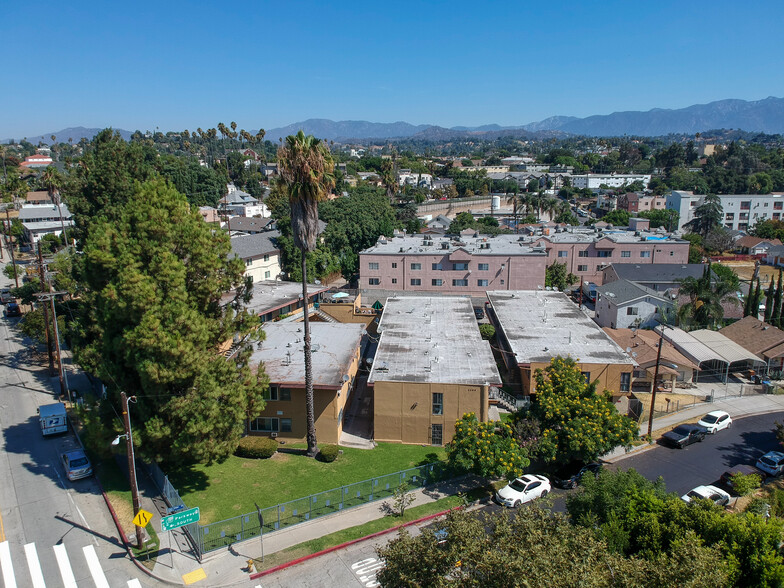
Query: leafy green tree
{"points": [[12, 271], [662, 217], [726, 274], [718, 240], [618, 218], [696, 251], [486, 449], [556, 276], [462, 221], [34, 326], [152, 323], [775, 317], [487, 331], [577, 423], [769, 302], [707, 216], [306, 166], [706, 296]]}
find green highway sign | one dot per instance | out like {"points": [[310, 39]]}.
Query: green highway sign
{"points": [[180, 519]]}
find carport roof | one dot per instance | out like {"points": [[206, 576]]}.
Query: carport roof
{"points": [[724, 346], [704, 345]]}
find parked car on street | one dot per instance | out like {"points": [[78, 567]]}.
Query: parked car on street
{"points": [[684, 435], [716, 495], [5, 296], [745, 469], [569, 476], [12, 309], [523, 489], [76, 464], [716, 421], [479, 312], [772, 463]]}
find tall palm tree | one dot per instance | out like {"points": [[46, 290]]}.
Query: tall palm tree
{"points": [[53, 181], [306, 169]]}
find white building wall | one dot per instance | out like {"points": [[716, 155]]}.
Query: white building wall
{"points": [[263, 269], [608, 314]]}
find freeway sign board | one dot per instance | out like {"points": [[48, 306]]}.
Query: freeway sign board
{"points": [[180, 519]]}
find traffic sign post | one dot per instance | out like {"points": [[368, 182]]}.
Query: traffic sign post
{"points": [[180, 519], [142, 518]]}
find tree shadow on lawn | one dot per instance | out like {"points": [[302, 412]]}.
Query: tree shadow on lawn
{"points": [[186, 478], [429, 458]]}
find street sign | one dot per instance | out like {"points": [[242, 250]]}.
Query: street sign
{"points": [[142, 518], [180, 519]]}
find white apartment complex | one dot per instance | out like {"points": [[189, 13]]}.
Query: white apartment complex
{"points": [[595, 181], [741, 211]]}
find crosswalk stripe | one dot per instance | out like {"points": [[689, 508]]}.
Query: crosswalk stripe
{"points": [[65, 566], [6, 566], [134, 583], [35, 566], [95, 567]]}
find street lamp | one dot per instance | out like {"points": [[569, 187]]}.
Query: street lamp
{"points": [[128, 436]]}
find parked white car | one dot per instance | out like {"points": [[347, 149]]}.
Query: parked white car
{"points": [[716, 495], [772, 463], [716, 421], [523, 489]]}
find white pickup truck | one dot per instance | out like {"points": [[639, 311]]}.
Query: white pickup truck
{"points": [[53, 418]]}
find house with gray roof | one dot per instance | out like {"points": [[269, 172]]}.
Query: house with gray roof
{"points": [[658, 277], [623, 304], [260, 254], [39, 220], [250, 225]]}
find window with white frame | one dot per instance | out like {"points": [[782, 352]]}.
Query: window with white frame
{"points": [[563, 254], [437, 267], [416, 282], [265, 425], [626, 253], [373, 265], [483, 267], [416, 266], [631, 311], [460, 282], [438, 403], [483, 282], [460, 266], [374, 281], [267, 275], [645, 254], [582, 268], [436, 282]]}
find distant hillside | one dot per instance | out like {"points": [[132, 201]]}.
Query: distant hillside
{"points": [[75, 133], [765, 116], [346, 129]]}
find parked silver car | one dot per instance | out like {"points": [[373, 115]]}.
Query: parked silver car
{"points": [[76, 464]]}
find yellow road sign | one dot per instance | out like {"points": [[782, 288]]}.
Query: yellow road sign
{"points": [[142, 518]]}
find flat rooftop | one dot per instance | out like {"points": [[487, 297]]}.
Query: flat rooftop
{"points": [[334, 346], [269, 295], [432, 340], [540, 325]]}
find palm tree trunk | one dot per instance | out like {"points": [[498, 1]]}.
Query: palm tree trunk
{"points": [[311, 435]]}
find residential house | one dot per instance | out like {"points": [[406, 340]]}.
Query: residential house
{"points": [[741, 211], [622, 304], [533, 327], [431, 367], [36, 161], [44, 219], [775, 256], [335, 361], [643, 348], [260, 254], [209, 214], [273, 300], [239, 203], [658, 277], [596, 181], [250, 225], [761, 339], [755, 245], [405, 177], [634, 202], [38, 197]]}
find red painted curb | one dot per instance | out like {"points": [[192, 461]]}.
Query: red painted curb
{"points": [[304, 558]]}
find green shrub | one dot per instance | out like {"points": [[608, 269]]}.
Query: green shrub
{"points": [[487, 331], [328, 453], [758, 506], [744, 484], [776, 500], [256, 447]]}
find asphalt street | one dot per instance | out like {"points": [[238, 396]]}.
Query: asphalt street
{"points": [[681, 469], [52, 528]]}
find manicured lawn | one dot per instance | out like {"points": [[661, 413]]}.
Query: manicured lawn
{"points": [[228, 489]]}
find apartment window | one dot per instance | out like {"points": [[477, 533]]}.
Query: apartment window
{"points": [[277, 393], [248, 262], [743, 216], [502, 282], [285, 425], [582, 268], [373, 265], [416, 266], [745, 205], [563, 254], [631, 311], [626, 381], [460, 282], [626, 253], [394, 280], [645, 253], [436, 434], [672, 254], [483, 267], [460, 266], [265, 425], [437, 282], [438, 403], [374, 281], [266, 257], [766, 205], [778, 205], [776, 215], [416, 282], [583, 253], [266, 275], [437, 267], [603, 253], [729, 216], [483, 282], [394, 265]]}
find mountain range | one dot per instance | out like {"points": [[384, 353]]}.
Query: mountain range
{"points": [[765, 116]]}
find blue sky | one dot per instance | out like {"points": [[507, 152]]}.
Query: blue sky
{"points": [[174, 64]]}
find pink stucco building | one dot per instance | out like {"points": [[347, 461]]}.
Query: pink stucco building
{"points": [[473, 265]]}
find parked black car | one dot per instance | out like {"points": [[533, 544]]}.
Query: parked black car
{"points": [[13, 309], [684, 435], [5, 296], [479, 312], [569, 476]]}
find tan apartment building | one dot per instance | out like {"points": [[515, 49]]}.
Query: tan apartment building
{"points": [[533, 327], [260, 254], [431, 367], [473, 265], [634, 202], [335, 360]]}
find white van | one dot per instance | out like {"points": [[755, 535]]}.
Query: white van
{"points": [[53, 418]]}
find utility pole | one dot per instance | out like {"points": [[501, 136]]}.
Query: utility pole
{"points": [[50, 296], [132, 465], [653, 390], [11, 247], [42, 274]]}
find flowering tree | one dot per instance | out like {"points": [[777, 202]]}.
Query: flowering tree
{"points": [[575, 421], [486, 449]]}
